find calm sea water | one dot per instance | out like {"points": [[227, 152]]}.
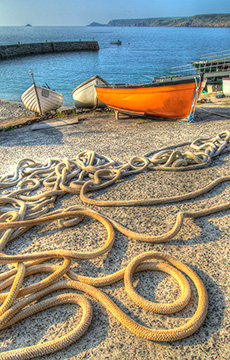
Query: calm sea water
{"points": [[145, 52]]}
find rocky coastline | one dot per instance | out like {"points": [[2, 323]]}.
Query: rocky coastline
{"points": [[206, 20]]}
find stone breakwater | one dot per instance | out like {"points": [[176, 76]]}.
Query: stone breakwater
{"points": [[9, 51]]}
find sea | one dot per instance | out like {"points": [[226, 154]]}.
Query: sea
{"points": [[145, 53]]}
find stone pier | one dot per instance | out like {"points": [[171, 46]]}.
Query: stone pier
{"points": [[19, 50]]}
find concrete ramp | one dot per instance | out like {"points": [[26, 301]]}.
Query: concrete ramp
{"points": [[47, 124]]}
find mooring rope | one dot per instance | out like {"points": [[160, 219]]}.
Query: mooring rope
{"points": [[214, 113], [20, 210]]}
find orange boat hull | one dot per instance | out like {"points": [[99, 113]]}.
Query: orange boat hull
{"points": [[173, 99]]}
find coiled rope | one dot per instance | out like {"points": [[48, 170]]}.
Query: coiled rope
{"points": [[86, 173]]}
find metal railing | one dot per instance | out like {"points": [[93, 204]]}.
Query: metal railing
{"points": [[200, 68], [216, 55], [213, 66], [213, 62], [187, 69]]}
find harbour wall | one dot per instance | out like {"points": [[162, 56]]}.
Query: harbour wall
{"points": [[11, 51]]}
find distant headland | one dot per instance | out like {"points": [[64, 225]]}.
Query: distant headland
{"points": [[206, 20]]}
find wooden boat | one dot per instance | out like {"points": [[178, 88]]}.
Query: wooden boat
{"points": [[118, 42], [85, 96], [167, 99], [41, 99]]}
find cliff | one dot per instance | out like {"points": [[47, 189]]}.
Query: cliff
{"points": [[206, 20]]}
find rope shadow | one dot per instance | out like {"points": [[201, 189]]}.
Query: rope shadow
{"points": [[210, 326], [28, 333]]}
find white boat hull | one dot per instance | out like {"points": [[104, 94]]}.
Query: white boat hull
{"points": [[226, 86], [85, 95], [41, 100]]}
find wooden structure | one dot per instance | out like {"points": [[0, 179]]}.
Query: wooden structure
{"points": [[213, 67]]}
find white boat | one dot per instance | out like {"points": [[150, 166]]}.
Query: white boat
{"points": [[85, 96], [226, 86], [41, 99]]}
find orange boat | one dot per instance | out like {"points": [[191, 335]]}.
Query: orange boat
{"points": [[168, 99]]}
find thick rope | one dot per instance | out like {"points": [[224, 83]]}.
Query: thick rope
{"points": [[88, 172]]}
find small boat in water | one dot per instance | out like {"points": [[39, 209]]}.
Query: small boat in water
{"points": [[41, 99], [85, 96], [167, 99], [118, 42]]}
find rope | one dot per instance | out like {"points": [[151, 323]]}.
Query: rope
{"points": [[213, 113], [190, 118], [88, 172]]}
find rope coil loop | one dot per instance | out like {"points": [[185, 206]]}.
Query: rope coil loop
{"points": [[166, 308]]}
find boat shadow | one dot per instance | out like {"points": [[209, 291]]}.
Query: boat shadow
{"points": [[25, 137]]}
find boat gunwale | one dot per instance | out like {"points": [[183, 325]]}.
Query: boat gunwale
{"points": [[88, 81], [42, 87], [147, 85]]}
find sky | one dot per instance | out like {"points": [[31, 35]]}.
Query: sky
{"points": [[83, 12]]}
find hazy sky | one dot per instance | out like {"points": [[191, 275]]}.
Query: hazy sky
{"points": [[83, 12]]}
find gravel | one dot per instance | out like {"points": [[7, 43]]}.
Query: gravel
{"points": [[202, 243]]}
